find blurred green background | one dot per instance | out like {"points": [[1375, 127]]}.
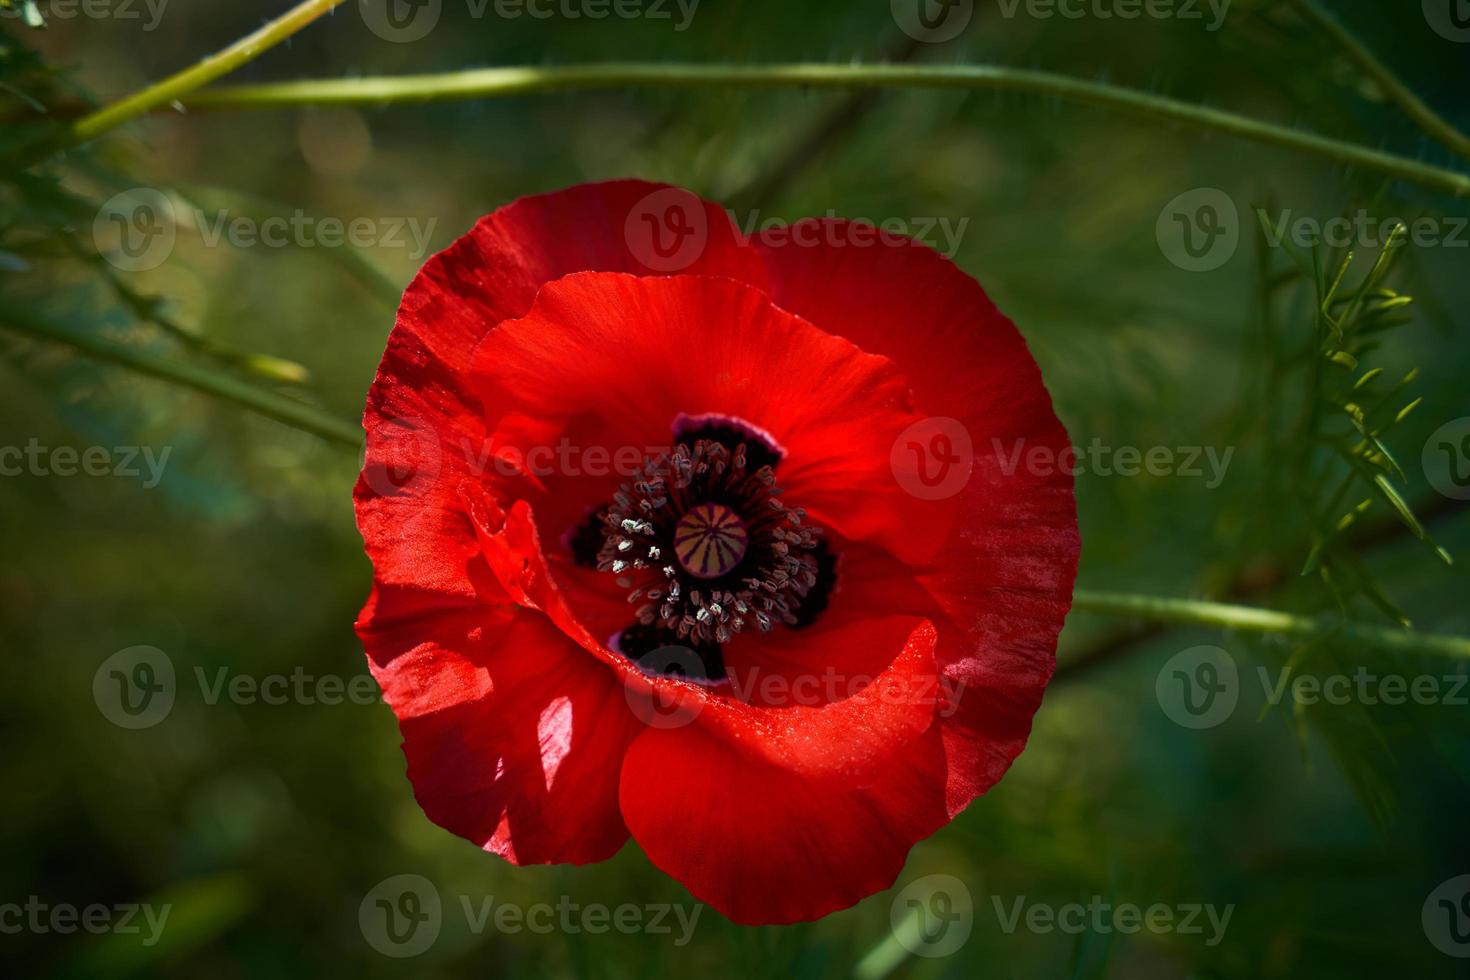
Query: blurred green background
{"points": [[264, 826]]}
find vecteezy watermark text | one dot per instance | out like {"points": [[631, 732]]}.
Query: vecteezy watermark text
{"points": [[944, 235], [403, 915], [149, 11], [406, 21], [125, 919], [1364, 686], [1363, 230], [301, 230], [1186, 10], [937, 21], [1101, 917], [933, 916], [1190, 462], [34, 459]]}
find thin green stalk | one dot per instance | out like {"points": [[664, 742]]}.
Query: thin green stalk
{"points": [[175, 87], [1192, 612], [148, 309], [893, 948], [1414, 107], [289, 411], [510, 81]]}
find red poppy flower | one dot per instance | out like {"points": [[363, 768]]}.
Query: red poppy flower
{"points": [[719, 543]]}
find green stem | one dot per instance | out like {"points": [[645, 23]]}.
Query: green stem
{"points": [[147, 309], [289, 411], [175, 87], [489, 82], [1192, 612], [1414, 107]]}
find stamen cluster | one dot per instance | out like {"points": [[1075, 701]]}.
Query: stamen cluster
{"points": [[645, 544]]}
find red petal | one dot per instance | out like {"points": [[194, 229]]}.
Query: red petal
{"points": [[781, 815], [493, 272], [1003, 581], [851, 641], [514, 736]]}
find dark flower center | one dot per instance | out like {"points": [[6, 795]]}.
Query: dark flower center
{"points": [[707, 548]]}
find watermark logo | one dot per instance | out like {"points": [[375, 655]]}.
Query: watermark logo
{"points": [[1199, 230], [653, 705], [932, 459], [932, 21], [933, 916], [1446, 917], [1450, 19], [136, 230], [402, 916], [401, 21], [135, 688], [1198, 687], [1446, 459], [407, 457], [667, 230]]}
